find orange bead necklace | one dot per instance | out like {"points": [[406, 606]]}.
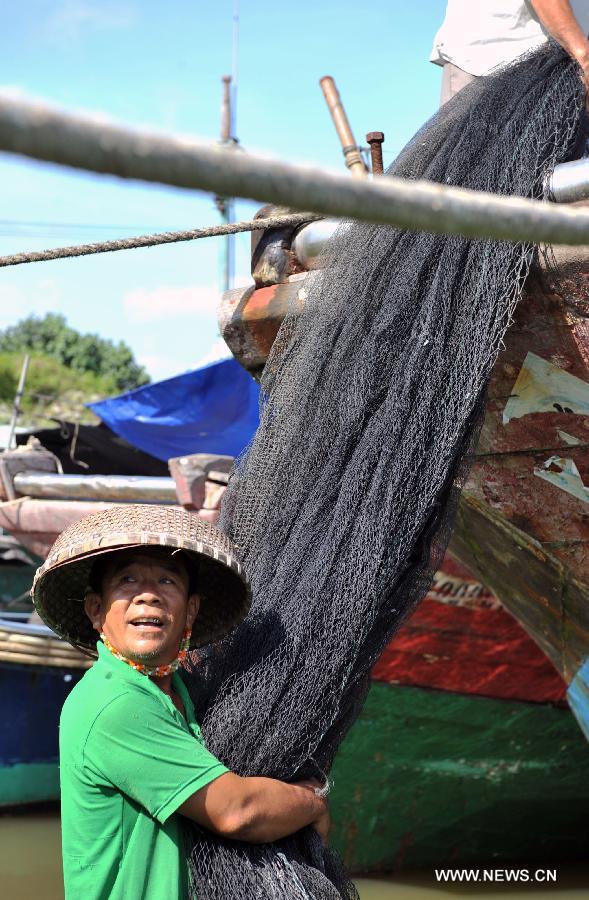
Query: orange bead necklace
{"points": [[152, 671]]}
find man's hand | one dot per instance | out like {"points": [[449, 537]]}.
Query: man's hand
{"points": [[322, 824]]}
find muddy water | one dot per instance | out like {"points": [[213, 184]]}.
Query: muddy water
{"points": [[30, 869]]}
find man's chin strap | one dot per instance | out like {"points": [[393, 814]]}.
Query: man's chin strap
{"points": [[152, 671]]}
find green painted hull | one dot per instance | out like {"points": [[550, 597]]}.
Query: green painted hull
{"points": [[15, 582], [428, 777], [29, 782]]}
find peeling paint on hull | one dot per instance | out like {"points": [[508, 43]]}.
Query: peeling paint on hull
{"points": [[544, 387], [563, 474]]}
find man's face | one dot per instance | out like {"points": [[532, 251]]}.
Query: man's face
{"points": [[143, 606]]}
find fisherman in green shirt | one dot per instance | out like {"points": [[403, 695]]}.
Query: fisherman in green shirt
{"points": [[140, 586]]}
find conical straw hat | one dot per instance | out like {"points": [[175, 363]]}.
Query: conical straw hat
{"points": [[62, 582]]}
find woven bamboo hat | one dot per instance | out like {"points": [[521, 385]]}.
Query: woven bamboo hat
{"points": [[62, 582]]}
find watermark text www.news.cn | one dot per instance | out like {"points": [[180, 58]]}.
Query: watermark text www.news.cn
{"points": [[541, 876]]}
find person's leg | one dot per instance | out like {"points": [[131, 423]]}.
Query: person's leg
{"points": [[453, 80]]}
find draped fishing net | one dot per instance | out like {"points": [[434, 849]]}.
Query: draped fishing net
{"points": [[341, 507]]}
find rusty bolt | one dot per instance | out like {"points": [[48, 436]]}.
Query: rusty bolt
{"points": [[375, 139]]}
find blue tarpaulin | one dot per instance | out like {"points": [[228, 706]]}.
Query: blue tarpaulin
{"points": [[208, 410]]}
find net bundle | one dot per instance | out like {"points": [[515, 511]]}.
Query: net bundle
{"points": [[341, 507]]}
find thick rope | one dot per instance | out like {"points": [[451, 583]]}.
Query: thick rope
{"points": [[154, 240], [86, 142]]}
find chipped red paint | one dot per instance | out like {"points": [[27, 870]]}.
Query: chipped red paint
{"points": [[461, 639], [455, 585], [249, 319]]}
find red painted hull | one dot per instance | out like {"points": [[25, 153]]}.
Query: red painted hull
{"points": [[469, 650]]}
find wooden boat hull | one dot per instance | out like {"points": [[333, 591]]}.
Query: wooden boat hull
{"points": [[15, 584], [31, 698], [428, 777], [466, 750], [37, 672]]}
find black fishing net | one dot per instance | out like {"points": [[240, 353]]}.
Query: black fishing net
{"points": [[341, 507]]}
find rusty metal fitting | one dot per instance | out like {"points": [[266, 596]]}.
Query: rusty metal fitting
{"points": [[375, 140]]}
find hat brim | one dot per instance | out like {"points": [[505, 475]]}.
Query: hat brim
{"points": [[61, 585]]}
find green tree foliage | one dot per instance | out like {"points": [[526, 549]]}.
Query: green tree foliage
{"points": [[52, 337], [52, 390]]}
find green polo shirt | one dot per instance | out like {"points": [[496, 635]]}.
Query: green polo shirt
{"points": [[128, 760]]}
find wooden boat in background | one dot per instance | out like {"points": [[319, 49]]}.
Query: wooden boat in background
{"points": [[17, 568], [37, 671]]}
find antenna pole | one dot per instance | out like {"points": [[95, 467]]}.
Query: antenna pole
{"points": [[234, 67], [16, 410], [226, 205]]}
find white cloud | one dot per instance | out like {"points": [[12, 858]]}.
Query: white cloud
{"points": [[142, 305], [158, 366], [218, 351], [14, 91], [36, 299], [69, 19]]}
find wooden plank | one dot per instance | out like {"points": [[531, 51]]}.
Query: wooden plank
{"points": [[62, 662], [58, 648], [249, 319], [532, 583]]}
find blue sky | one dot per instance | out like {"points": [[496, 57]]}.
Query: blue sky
{"points": [[160, 65]]}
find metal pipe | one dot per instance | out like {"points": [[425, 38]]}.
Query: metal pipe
{"points": [[570, 181], [310, 242], [234, 67], [125, 488], [225, 205], [350, 149], [26, 628], [85, 142], [16, 406]]}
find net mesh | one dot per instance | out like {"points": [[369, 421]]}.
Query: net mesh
{"points": [[341, 507]]}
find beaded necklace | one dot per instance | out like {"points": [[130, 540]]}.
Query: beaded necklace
{"points": [[156, 671]]}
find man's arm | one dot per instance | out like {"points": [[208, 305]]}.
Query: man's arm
{"points": [[257, 810], [559, 20]]}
